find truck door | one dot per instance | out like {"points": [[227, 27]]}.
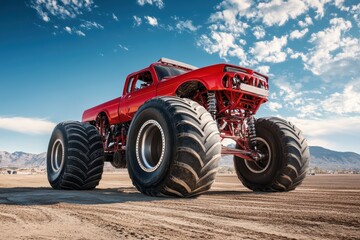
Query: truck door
{"points": [[139, 90]]}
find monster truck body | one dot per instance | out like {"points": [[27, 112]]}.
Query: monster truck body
{"points": [[168, 125], [122, 109], [241, 97]]}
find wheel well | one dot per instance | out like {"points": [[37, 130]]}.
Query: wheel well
{"points": [[100, 116], [189, 89]]}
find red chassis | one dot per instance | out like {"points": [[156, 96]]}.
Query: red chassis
{"points": [[232, 95]]}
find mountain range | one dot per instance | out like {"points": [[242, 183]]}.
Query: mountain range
{"points": [[331, 160], [320, 157], [22, 160]]}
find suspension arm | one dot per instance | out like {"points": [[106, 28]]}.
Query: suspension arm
{"points": [[237, 152]]}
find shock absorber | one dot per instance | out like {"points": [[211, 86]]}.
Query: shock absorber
{"points": [[251, 131], [212, 103]]}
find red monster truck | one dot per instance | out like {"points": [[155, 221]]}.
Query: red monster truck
{"points": [[167, 129]]}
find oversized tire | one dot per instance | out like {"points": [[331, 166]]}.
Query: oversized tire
{"points": [[286, 157], [173, 148], [75, 157]]}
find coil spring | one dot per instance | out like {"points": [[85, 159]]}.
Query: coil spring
{"points": [[211, 101], [252, 131]]}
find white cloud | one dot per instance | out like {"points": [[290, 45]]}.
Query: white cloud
{"points": [[222, 43], [277, 12], [240, 6], [80, 33], [340, 4], [340, 133], [137, 20], [319, 5], [115, 17], [355, 12], [151, 21], [274, 106], [60, 9], [263, 69], [298, 34], [321, 127], [68, 29], [44, 16], [88, 25], [345, 102], [307, 108], [66, 10], [26, 125], [227, 18], [334, 50], [295, 55], [290, 91], [307, 22], [259, 32], [305, 103], [271, 12], [123, 47], [158, 3], [227, 44], [236, 29], [230, 9], [186, 25], [270, 51], [313, 103], [227, 21]]}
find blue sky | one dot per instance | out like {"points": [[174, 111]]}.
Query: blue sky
{"points": [[58, 58]]}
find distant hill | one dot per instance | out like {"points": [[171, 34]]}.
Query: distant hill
{"points": [[22, 160], [332, 160], [320, 157]]}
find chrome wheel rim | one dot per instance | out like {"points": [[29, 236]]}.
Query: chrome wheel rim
{"points": [[150, 146], [57, 156], [262, 165]]}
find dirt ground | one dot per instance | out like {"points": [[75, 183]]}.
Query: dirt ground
{"points": [[324, 207]]}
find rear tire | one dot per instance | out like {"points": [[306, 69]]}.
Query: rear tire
{"points": [[75, 157], [173, 148], [287, 161]]}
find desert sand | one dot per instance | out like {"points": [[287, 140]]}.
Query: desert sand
{"points": [[323, 207]]}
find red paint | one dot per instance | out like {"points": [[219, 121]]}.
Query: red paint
{"points": [[234, 105]]}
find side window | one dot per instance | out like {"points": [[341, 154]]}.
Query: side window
{"points": [[143, 80], [129, 87]]}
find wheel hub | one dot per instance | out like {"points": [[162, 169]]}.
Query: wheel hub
{"points": [[57, 156], [263, 159], [150, 146]]}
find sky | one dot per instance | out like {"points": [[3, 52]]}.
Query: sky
{"points": [[60, 57]]}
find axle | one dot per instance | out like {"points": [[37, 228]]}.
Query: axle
{"points": [[252, 156]]}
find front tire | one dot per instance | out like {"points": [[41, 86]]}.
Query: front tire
{"points": [[286, 160], [173, 148], [75, 157]]}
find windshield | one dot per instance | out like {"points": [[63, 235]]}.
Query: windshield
{"points": [[168, 71]]}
